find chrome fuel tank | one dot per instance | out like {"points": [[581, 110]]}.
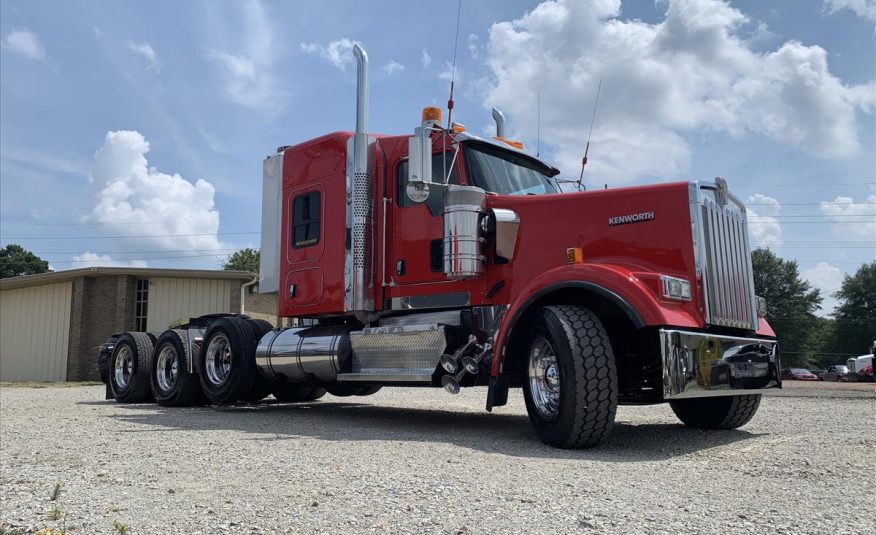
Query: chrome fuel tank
{"points": [[297, 355]]}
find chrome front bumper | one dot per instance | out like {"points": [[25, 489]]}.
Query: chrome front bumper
{"points": [[702, 365]]}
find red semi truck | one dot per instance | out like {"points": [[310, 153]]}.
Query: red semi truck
{"points": [[445, 259]]}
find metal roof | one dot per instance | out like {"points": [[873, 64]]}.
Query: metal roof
{"points": [[61, 276]]}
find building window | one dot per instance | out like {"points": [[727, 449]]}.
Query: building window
{"points": [[305, 220], [141, 305]]}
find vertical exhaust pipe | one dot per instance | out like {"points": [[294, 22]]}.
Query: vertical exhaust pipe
{"points": [[359, 254], [499, 117], [360, 157]]}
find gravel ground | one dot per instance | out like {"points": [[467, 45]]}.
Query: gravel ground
{"points": [[423, 461]]}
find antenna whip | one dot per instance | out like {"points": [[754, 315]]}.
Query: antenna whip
{"points": [[587, 148], [453, 71]]}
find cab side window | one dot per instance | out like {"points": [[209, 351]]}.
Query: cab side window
{"points": [[305, 220], [439, 161]]}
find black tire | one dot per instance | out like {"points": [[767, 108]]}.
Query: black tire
{"points": [[369, 391], [344, 390], [136, 350], [261, 388], [184, 389], [725, 412], [298, 393], [227, 376], [261, 327], [584, 368]]}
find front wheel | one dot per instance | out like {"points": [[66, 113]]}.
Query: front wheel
{"points": [[571, 384], [725, 412]]}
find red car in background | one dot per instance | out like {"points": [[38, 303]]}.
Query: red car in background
{"points": [[798, 374]]}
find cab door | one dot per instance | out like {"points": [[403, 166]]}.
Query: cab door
{"points": [[417, 231]]}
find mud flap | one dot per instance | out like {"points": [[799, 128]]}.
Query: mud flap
{"points": [[497, 393]]}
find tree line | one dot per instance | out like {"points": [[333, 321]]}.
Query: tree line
{"points": [[805, 338]]}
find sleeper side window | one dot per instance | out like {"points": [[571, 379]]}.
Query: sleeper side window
{"points": [[305, 220]]}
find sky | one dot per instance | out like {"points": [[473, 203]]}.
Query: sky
{"points": [[133, 133]]}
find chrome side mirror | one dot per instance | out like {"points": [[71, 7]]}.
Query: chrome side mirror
{"points": [[419, 165]]}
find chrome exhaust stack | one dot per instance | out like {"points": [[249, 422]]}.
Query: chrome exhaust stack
{"points": [[359, 253], [360, 156], [499, 117]]}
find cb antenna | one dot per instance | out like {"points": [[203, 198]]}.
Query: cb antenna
{"points": [[453, 71], [587, 148]]}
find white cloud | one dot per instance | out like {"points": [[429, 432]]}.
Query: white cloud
{"points": [[473, 47], [856, 221], [249, 75], [866, 9], [89, 259], [692, 72], [827, 279], [45, 159], [393, 66], [148, 53], [238, 67], [449, 72], [763, 222], [338, 52], [425, 58], [157, 210], [26, 43]]}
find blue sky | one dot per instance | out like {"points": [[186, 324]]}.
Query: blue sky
{"points": [[133, 133]]}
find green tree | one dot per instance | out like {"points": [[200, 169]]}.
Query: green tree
{"points": [[243, 260], [791, 305], [15, 260], [855, 315]]}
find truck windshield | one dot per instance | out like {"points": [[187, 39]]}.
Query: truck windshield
{"points": [[499, 171]]}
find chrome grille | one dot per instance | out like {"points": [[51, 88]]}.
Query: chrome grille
{"points": [[725, 259]]}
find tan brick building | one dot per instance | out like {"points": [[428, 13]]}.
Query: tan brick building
{"points": [[51, 325]]}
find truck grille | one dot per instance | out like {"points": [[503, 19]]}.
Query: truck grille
{"points": [[726, 261]]}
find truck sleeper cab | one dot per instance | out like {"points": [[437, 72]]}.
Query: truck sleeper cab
{"points": [[446, 260]]}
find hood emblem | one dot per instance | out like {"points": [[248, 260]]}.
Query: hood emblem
{"points": [[640, 217]]}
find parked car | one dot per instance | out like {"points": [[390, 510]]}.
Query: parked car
{"points": [[798, 374], [834, 373]]}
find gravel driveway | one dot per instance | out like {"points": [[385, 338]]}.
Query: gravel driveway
{"points": [[423, 461]]}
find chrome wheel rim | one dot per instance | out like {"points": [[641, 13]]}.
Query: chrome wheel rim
{"points": [[544, 379], [124, 367], [167, 368], [218, 362]]}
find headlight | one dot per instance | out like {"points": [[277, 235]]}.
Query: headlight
{"points": [[761, 304], [675, 288]]}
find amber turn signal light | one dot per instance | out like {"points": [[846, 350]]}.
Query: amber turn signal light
{"points": [[574, 255]]}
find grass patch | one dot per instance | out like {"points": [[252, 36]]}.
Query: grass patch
{"points": [[121, 528], [56, 492], [55, 513]]}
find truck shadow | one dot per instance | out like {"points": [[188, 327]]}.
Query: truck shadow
{"points": [[509, 434]]}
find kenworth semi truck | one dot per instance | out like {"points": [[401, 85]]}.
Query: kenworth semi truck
{"points": [[444, 259]]}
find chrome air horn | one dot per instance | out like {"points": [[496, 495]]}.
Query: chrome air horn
{"points": [[470, 365], [450, 363]]}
